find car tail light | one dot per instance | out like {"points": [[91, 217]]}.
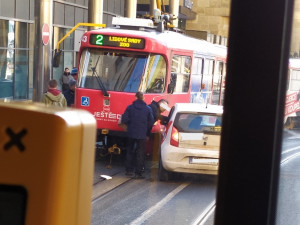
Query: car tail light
{"points": [[174, 137]]}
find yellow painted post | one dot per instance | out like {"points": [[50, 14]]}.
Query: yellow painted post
{"points": [[74, 28]]}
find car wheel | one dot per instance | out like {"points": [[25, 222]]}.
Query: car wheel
{"points": [[163, 175]]}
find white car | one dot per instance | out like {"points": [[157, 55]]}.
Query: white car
{"points": [[191, 141]]}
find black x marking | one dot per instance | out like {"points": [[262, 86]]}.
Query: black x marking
{"points": [[15, 139]]}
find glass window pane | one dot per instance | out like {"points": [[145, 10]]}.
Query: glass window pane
{"points": [[117, 71], [156, 74], [69, 15], [69, 41], [181, 70], [4, 27], [21, 75], [6, 74], [7, 9], [207, 80], [196, 79], [21, 35], [31, 55], [217, 83], [22, 9]]}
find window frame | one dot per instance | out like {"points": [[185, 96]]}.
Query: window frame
{"points": [[253, 111]]}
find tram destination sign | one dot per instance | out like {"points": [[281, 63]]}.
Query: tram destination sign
{"points": [[117, 41]]}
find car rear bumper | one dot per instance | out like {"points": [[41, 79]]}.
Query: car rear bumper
{"points": [[179, 161]]}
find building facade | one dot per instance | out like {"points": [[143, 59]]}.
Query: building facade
{"points": [[18, 39]]}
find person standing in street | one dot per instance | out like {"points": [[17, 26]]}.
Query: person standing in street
{"points": [[54, 97], [65, 78], [70, 93], [139, 120], [158, 108]]}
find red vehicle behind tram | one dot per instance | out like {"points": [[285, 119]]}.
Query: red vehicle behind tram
{"points": [[115, 63], [292, 103]]}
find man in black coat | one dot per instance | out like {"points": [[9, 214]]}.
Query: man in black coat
{"points": [[70, 93], [158, 108], [139, 120]]}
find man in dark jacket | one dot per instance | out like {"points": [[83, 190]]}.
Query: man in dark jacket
{"points": [[70, 93], [158, 108], [139, 120]]}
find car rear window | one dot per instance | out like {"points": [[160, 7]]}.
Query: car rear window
{"points": [[198, 123]]}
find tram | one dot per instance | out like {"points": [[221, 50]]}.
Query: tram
{"points": [[292, 103], [135, 55]]}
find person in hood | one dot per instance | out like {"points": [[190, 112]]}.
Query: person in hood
{"points": [[54, 96], [138, 118]]}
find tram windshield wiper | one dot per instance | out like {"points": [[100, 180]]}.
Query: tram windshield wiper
{"points": [[101, 85]]}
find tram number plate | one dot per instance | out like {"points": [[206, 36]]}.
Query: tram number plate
{"points": [[207, 161]]}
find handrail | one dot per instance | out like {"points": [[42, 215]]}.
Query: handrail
{"points": [[74, 28]]}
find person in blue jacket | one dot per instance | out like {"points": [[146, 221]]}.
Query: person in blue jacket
{"points": [[139, 119]]}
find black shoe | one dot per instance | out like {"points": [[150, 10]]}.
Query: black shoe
{"points": [[138, 176]]}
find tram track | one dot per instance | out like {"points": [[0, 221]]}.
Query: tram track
{"points": [[203, 218], [105, 192]]}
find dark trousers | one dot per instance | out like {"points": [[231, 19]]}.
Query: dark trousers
{"points": [[135, 156]]}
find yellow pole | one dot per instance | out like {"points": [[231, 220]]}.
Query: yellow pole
{"points": [[158, 3], [74, 28]]}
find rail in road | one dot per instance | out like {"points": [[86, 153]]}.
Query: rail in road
{"points": [[104, 189], [164, 193]]}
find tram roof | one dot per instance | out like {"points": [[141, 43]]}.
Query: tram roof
{"points": [[174, 40]]}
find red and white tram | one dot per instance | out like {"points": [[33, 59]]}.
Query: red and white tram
{"points": [[292, 103], [115, 63]]}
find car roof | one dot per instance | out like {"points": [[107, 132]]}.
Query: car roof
{"points": [[198, 107]]}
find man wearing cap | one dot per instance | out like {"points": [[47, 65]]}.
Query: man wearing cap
{"points": [[139, 120], [70, 92], [74, 73]]}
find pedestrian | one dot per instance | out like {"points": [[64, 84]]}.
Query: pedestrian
{"points": [[70, 93], [65, 78], [138, 118], [158, 108], [54, 96], [74, 73]]}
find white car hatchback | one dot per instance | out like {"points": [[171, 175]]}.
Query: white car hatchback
{"points": [[191, 141]]}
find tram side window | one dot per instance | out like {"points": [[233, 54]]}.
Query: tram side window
{"points": [[156, 74], [295, 80], [207, 80], [180, 74], [223, 84], [216, 94], [196, 80]]}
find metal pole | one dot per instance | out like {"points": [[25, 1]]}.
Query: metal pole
{"points": [[95, 12], [42, 70], [130, 11], [174, 9], [153, 6]]}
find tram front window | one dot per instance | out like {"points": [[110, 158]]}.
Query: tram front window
{"points": [[116, 70]]}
